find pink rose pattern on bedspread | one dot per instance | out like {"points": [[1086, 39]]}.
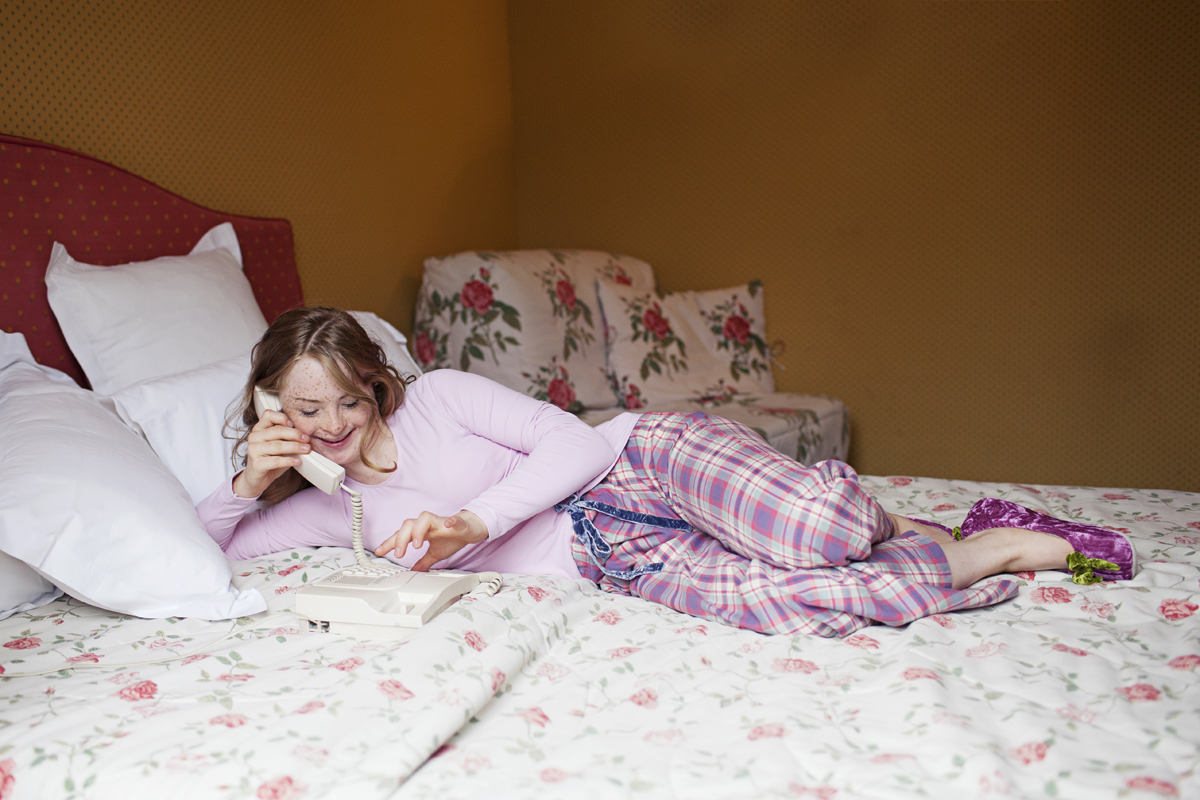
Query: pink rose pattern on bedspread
{"points": [[552, 688]]}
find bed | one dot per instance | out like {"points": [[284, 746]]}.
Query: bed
{"points": [[551, 688]]}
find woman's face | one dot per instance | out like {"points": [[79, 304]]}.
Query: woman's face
{"points": [[317, 406]]}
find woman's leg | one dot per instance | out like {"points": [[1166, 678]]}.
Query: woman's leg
{"points": [[994, 551], [904, 580], [723, 479], [778, 547]]}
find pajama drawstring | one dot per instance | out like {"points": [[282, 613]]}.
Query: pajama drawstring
{"points": [[598, 549]]}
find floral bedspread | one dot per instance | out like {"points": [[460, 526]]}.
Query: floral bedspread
{"points": [[554, 689]]}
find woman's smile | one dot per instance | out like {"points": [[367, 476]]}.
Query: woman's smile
{"points": [[338, 442]]}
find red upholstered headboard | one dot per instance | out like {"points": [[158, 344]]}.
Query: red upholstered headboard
{"points": [[105, 215]]}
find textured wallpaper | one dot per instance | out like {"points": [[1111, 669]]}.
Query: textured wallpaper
{"points": [[382, 130], [977, 223]]}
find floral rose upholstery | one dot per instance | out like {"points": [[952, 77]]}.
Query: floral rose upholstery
{"points": [[684, 345], [527, 319], [585, 330]]}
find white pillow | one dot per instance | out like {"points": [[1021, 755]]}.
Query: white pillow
{"points": [[685, 345], [146, 319], [14, 348], [88, 505], [182, 416], [22, 588]]}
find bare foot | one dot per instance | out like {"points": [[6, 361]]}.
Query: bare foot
{"points": [[1028, 551], [993, 551]]}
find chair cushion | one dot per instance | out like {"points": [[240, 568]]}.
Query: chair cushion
{"points": [[681, 345]]}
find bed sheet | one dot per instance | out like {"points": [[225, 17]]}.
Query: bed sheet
{"points": [[275, 712], [553, 689], [1065, 691]]}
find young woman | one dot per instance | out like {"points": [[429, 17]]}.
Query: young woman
{"points": [[691, 511]]}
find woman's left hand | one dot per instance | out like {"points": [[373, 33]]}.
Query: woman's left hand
{"points": [[446, 536]]}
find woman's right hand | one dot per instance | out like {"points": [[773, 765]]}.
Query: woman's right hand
{"points": [[273, 447]]}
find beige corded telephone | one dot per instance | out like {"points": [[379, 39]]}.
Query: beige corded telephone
{"points": [[376, 599]]}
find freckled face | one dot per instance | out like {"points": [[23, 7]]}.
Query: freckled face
{"points": [[316, 405]]}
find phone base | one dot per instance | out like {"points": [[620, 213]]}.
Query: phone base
{"points": [[382, 602]]}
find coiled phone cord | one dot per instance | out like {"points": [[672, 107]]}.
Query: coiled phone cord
{"points": [[489, 581], [356, 534]]}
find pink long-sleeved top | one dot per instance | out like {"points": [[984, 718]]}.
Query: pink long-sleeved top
{"points": [[462, 442]]}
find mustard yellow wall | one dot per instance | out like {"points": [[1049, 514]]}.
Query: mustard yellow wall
{"points": [[977, 223], [381, 129]]}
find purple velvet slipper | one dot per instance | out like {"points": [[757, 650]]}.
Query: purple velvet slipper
{"points": [[1100, 554]]}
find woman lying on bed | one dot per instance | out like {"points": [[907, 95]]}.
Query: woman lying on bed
{"points": [[691, 511]]}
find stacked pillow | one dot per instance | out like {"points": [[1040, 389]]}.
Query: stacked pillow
{"points": [[142, 320], [89, 506], [84, 502], [22, 588], [86, 505]]}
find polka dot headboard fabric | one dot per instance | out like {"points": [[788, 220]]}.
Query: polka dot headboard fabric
{"points": [[104, 215]]}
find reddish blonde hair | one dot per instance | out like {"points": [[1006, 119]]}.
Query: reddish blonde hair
{"points": [[351, 357]]}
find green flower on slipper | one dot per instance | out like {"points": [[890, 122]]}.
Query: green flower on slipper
{"points": [[1082, 568]]}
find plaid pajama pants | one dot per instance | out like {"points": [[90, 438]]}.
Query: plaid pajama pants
{"points": [[769, 544]]}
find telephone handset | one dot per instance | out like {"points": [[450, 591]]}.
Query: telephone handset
{"points": [[374, 598], [319, 470]]}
